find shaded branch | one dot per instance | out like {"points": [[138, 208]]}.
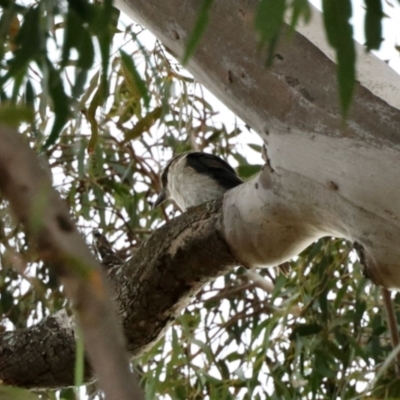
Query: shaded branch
{"points": [[150, 290], [46, 219]]}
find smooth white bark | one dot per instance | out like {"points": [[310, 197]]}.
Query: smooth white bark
{"points": [[276, 215], [372, 72]]}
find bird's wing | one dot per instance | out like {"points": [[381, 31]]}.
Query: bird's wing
{"points": [[214, 166]]}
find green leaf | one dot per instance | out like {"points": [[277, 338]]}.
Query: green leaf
{"points": [[93, 85], [144, 124], [18, 80], [199, 28], [134, 78], [340, 35], [256, 147], [29, 94], [82, 8], [77, 36], [6, 302], [300, 8], [269, 18], [13, 115], [9, 27], [305, 330], [268, 22], [104, 26], [81, 159], [29, 43], [80, 80], [248, 170], [67, 394], [13, 393], [60, 104], [91, 116], [373, 24]]}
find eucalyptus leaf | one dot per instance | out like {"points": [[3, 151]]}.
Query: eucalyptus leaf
{"points": [[373, 24], [13, 393], [134, 78], [144, 124], [198, 30], [337, 14]]}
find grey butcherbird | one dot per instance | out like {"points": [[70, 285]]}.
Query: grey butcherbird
{"points": [[194, 178]]}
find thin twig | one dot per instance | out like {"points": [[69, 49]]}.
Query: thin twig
{"points": [[392, 322]]}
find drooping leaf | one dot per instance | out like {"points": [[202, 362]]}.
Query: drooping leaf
{"points": [[81, 76], [198, 30], [256, 147], [248, 170], [77, 36], [91, 116], [18, 80], [104, 25], [93, 85], [269, 18], [28, 41], [82, 8], [268, 22], [300, 9], [60, 104], [373, 24], [29, 94], [13, 27], [305, 330], [144, 124], [12, 114], [134, 78], [13, 393], [67, 394], [339, 31]]}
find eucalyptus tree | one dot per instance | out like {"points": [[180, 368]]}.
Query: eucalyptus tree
{"points": [[105, 106]]}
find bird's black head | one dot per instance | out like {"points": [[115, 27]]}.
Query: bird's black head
{"points": [[193, 178]]}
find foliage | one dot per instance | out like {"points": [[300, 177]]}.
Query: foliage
{"points": [[320, 335], [104, 119]]}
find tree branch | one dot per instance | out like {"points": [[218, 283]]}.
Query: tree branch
{"points": [[150, 290], [46, 220]]}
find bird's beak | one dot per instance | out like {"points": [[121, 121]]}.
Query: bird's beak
{"points": [[160, 199]]}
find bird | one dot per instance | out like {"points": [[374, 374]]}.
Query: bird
{"points": [[109, 257], [194, 177]]}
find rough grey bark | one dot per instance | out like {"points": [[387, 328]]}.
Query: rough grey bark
{"points": [[40, 356], [150, 290]]}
